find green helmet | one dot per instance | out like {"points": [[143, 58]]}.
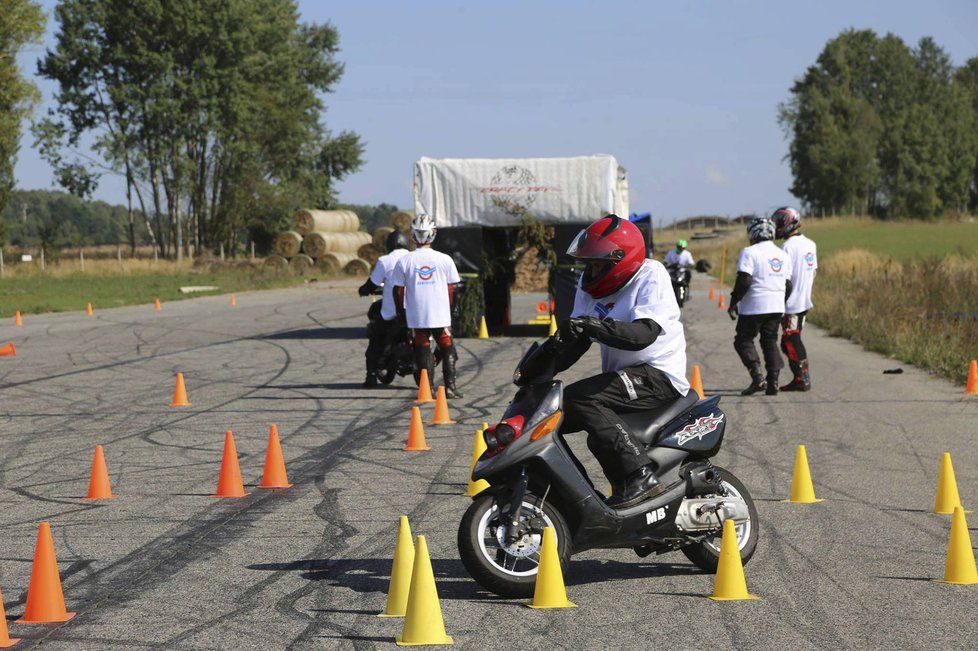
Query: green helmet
{"points": [[680, 245]]}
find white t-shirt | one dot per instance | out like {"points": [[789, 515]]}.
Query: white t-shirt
{"points": [[770, 268], [804, 259], [648, 295], [381, 275], [684, 259], [425, 275]]}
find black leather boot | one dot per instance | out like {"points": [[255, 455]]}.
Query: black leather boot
{"points": [[801, 381], [424, 359], [448, 370], [639, 486], [371, 380], [772, 383], [757, 382]]}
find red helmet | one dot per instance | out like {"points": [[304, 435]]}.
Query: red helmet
{"points": [[619, 244]]}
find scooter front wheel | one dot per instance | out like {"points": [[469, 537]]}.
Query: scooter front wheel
{"points": [[508, 569]]}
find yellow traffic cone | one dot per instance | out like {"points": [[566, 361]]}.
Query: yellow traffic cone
{"points": [[423, 623], [947, 488], [549, 591], [483, 330], [400, 584], [553, 326], [730, 584], [478, 447], [802, 490], [696, 382], [960, 566]]}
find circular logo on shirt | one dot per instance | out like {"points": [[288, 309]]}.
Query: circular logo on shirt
{"points": [[425, 272], [776, 264], [810, 259]]}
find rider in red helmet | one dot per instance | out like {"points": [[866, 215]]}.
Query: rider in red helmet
{"points": [[625, 303]]}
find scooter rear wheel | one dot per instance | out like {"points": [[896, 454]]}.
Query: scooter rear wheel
{"points": [[706, 555], [508, 571]]}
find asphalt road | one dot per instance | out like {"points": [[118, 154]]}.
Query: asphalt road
{"points": [[166, 565]]}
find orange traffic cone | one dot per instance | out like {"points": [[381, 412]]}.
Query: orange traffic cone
{"points": [[157, 306], [8, 350], [424, 388], [229, 481], [18, 321], [416, 441], [274, 475], [441, 409], [696, 382], [88, 310], [98, 484], [720, 304], [180, 393], [45, 600], [5, 639], [713, 294], [971, 388], [233, 302]]}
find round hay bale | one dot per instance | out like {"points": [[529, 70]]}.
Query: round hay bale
{"points": [[325, 221], [288, 244], [317, 244], [332, 263], [301, 264], [276, 263], [380, 237], [401, 220], [357, 267], [370, 253]]}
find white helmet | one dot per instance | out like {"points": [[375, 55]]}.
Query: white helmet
{"points": [[423, 229], [760, 229]]}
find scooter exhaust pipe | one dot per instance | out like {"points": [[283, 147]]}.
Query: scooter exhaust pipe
{"points": [[702, 480]]}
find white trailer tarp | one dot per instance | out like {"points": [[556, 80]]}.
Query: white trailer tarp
{"points": [[495, 192]]}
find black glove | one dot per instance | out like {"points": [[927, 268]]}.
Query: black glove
{"points": [[733, 312], [585, 326], [364, 289]]}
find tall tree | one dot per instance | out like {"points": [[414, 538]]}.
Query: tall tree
{"points": [[210, 109], [21, 23]]}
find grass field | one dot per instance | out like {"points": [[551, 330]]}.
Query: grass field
{"points": [[107, 283], [905, 289]]}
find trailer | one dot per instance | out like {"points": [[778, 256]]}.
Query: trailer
{"points": [[480, 205]]}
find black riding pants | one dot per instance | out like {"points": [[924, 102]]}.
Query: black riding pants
{"points": [[593, 405], [748, 326], [378, 332]]}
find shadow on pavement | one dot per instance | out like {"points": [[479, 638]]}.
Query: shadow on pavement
{"points": [[454, 582], [359, 332]]}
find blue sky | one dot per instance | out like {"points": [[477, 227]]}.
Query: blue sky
{"points": [[684, 94]]}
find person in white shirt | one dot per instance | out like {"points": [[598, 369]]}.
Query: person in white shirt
{"points": [[383, 317], [763, 282], [680, 257], [626, 304], [804, 258], [425, 280]]}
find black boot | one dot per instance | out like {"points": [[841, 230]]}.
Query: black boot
{"points": [[371, 380], [757, 382], [449, 358], [801, 381], [424, 359], [641, 485], [772, 383]]}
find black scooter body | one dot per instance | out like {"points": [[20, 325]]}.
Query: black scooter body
{"points": [[679, 449]]}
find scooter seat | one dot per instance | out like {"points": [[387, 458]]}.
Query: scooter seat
{"points": [[646, 424]]}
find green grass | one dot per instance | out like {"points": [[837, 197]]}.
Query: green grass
{"points": [[899, 240], [37, 293]]}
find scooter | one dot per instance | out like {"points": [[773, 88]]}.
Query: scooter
{"points": [[680, 282], [398, 356], [536, 482]]}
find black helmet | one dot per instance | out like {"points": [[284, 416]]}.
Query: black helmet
{"points": [[397, 240]]}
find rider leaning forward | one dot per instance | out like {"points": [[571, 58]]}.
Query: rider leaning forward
{"points": [[625, 303], [380, 330]]}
